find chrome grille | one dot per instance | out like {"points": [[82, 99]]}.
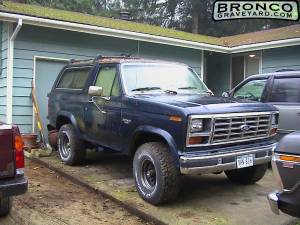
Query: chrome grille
{"points": [[241, 127]]}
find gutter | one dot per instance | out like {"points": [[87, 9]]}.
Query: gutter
{"points": [[265, 45], [10, 66]]}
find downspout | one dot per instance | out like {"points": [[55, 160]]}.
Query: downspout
{"points": [[10, 66]]}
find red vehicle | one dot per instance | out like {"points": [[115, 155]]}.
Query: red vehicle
{"points": [[12, 179]]}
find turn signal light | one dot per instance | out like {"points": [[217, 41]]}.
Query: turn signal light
{"points": [[289, 158], [195, 140], [19, 148], [175, 118]]}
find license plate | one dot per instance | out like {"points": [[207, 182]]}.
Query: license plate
{"points": [[244, 161]]}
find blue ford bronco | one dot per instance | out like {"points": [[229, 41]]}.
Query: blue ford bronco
{"points": [[163, 116]]}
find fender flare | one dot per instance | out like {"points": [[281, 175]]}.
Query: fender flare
{"points": [[164, 135], [70, 117]]}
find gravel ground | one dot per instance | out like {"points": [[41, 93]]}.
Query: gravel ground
{"points": [[53, 200]]}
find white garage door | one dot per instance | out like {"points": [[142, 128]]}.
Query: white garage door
{"points": [[46, 72]]}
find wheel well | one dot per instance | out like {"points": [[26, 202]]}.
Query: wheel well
{"points": [[143, 138], [62, 120]]}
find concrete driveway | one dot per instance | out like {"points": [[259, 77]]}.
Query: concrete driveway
{"points": [[207, 199]]}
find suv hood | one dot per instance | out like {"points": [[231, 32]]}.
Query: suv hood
{"points": [[204, 104]]}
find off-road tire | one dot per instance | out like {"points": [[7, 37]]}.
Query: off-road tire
{"points": [[5, 206], [167, 183], [249, 175], [77, 152]]}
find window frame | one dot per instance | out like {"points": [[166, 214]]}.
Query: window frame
{"points": [[117, 66], [70, 69], [264, 95], [271, 88]]}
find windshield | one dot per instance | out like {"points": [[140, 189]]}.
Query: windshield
{"points": [[172, 78]]}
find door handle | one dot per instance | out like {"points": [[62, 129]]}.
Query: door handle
{"points": [[106, 98]]}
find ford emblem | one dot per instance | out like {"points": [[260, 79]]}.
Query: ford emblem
{"points": [[245, 127]]}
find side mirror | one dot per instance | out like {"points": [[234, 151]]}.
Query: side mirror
{"points": [[226, 94], [95, 91], [210, 92]]}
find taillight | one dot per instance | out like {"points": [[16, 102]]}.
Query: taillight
{"points": [[19, 149]]}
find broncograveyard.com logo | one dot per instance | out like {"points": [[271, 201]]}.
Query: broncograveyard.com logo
{"points": [[283, 10]]}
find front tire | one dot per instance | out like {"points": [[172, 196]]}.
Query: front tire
{"points": [[156, 177], [249, 175], [5, 206], [70, 147]]}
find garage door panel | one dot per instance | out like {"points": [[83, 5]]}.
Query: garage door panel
{"points": [[46, 72]]}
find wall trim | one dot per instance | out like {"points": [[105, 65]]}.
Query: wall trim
{"points": [[35, 59], [202, 65]]}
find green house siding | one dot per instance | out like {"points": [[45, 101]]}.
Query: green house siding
{"points": [[44, 42], [3, 72], [281, 58]]}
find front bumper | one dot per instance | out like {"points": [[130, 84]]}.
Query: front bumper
{"points": [[14, 186], [273, 202], [213, 163]]}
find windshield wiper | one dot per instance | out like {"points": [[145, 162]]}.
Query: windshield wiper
{"points": [[187, 88], [170, 92], [146, 89]]}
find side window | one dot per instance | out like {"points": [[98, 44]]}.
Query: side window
{"points": [[74, 78], [285, 90], [108, 80], [252, 90]]}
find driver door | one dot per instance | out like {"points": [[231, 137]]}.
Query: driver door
{"points": [[252, 90], [103, 114]]}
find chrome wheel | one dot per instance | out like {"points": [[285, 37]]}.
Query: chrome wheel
{"points": [[65, 146], [148, 174]]}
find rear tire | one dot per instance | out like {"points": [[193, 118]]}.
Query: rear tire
{"points": [[249, 175], [70, 147], [5, 206], [156, 177]]}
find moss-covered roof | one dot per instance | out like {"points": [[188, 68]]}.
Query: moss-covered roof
{"points": [[282, 33], [50, 13], [75, 17]]}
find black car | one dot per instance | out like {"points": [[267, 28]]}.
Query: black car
{"points": [[281, 89], [286, 167], [162, 115]]}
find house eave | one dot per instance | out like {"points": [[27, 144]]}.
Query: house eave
{"points": [[64, 25], [265, 45], [104, 31]]}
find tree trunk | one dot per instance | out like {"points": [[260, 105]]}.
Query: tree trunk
{"points": [[195, 20]]}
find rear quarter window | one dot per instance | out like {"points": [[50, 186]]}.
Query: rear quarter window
{"points": [[74, 78], [285, 90]]}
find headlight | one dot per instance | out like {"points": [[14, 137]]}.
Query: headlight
{"points": [[196, 125]]}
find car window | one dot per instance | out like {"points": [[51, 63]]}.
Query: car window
{"points": [[116, 88], [252, 90], [74, 78], [285, 90], [106, 80]]}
